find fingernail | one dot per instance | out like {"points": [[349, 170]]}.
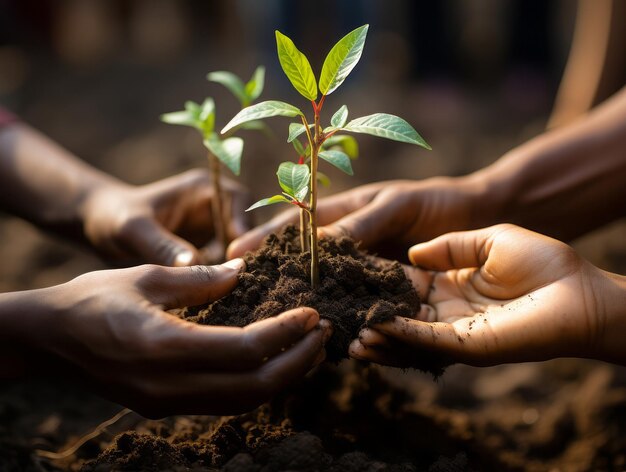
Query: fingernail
{"points": [[237, 264], [355, 349], [327, 328], [183, 259], [311, 322]]}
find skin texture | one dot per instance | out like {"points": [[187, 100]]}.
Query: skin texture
{"points": [[108, 329], [161, 223], [576, 172], [503, 294]]}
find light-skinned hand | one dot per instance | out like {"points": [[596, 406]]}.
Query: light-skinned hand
{"points": [[503, 294]]}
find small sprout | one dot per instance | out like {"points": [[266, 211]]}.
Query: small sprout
{"points": [[301, 179], [225, 150]]}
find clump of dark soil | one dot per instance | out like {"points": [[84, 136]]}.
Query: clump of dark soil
{"points": [[356, 289], [320, 425]]}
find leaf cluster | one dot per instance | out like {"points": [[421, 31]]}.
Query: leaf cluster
{"points": [[228, 149]]}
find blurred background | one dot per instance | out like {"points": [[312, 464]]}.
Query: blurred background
{"points": [[474, 77]]}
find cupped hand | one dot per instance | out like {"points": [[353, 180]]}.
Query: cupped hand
{"points": [[496, 295], [163, 222], [386, 217], [110, 329]]}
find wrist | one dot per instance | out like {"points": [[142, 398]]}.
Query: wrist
{"points": [[609, 295]]}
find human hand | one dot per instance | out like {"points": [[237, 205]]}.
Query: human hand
{"points": [[387, 217], [502, 294], [109, 329], [163, 222]]}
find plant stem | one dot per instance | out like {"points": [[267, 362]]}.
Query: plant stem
{"points": [[304, 228], [315, 277], [220, 224]]}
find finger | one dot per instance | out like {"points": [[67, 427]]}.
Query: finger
{"points": [[370, 224], [371, 338], [384, 355], [222, 393], [224, 348], [152, 242], [421, 280], [176, 287], [253, 239], [454, 250]]}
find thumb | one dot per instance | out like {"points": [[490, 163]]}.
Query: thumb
{"points": [[369, 225], [454, 250], [176, 287], [155, 244]]}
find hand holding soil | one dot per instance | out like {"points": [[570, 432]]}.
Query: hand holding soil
{"points": [[109, 329], [503, 294]]}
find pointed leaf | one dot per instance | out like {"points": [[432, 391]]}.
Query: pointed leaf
{"points": [[301, 195], [341, 60], [297, 145], [296, 67], [180, 118], [295, 130], [255, 125], [255, 85], [228, 151], [207, 117], [293, 177], [386, 126], [269, 201], [340, 117], [323, 179], [231, 82], [262, 110], [345, 143], [339, 159]]}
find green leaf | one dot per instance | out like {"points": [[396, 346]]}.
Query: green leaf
{"points": [[269, 201], [339, 159], [301, 195], [323, 179], [262, 110], [255, 85], [231, 82], [201, 117], [180, 118], [297, 145], [206, 118], [386, 126], [296, 67], [293, 177], [295, 130], [227, 151], [341, 60], [340, 117], [346, 143], [255, 125]]}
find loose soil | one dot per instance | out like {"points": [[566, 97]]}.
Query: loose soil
{"points": [[356, 289]]}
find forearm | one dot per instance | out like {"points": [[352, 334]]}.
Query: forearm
{"points": [[25, 319], [41, 181], [566, 182]]}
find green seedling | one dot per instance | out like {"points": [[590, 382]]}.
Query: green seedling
{"points": [[301, 180], [222, 150]]}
